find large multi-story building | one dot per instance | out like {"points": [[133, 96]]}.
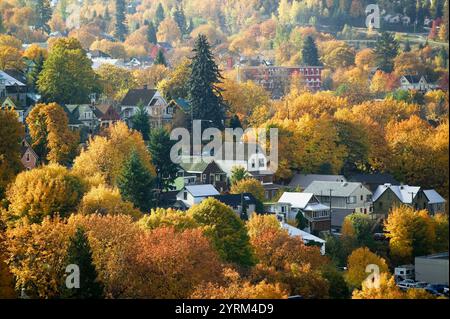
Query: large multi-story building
{"points": [[277, 79]]}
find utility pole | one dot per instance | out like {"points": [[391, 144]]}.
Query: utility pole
{"points": [[330, 207]]}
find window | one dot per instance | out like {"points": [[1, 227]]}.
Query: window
{"points": [[362, 197], [217, 178], [351, 200], [266, 193], [28, 157], [253, 164], [369, 198], [204, 177], [185, 195], [261, 162]]}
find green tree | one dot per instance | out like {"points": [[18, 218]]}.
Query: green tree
{"points": [[120, 27], [338, 287], [160, 58], [180, 19], [67, 76], [43, 15], [226, 230], [33, 75], [238, 173], [205, 96], [386, 49], [302, 222], [310, 55], [140, 122], [12, 132], [151, 33], [135, 183], [235, 122], [159, 146], [159, 15], [79, 253]]}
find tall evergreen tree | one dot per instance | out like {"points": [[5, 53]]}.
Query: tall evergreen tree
{"points": [[80, 254], [120, 30], [159, 146], [160, 58], [180, 19], [33, 75], [205, 96], [386, 49], [159, 15], [151, 33], [135, 183], [43, 15], [141, 122], [407, 47], [310, 55]]}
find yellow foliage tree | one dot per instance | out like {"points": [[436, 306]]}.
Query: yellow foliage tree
{"points": [[104, 156], [106, 201], [44, 191], [249, 185]]}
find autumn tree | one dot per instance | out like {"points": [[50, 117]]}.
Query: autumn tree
{"points": [[115, 81], [249, 185], [135, 183], [6, 278], [228, 233], [45, 191], [168, 31], [357, 263], [174, 86], [102, 160], [160, 217], [79, 253], [67, 76], [10, 58], [205, 97], [386, 49], [238, 173], [104, 200], [12, 132], [159, 146], [387, 289], [410, 232], [51, 137]]}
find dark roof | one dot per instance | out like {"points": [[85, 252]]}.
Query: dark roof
{"points": [[234, 200], [381, 178], [99, 54], [182, 104], [338, 215], [135, 96], [106, 112], [413, 78]]}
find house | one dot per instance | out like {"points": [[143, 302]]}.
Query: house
{"points": [[14, 89], [82, 115], [388, 196], [317, 214], [204, 173], [436, 203], [160, 113], [432, 269], [343, 198], [304, 180], [10, 103], [194, 194], [238, 201], [307, 238], [416, 82], [372, 181], [28, 157], [106, 114]]}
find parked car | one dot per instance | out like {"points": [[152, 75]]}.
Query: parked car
{"points": [[406, 284], [421, 285], [435, 289]]}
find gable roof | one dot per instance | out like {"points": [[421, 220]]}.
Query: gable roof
{"points": [[302, 201], [26, 146], [434, 197], [9, 80], [338, 189], [374, 180], [135, 96], [304, 180], [404, 193], [192, 167], [106, 112], [202, 190], [413, 78], [295, 232]]}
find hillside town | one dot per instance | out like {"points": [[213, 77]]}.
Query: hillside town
{"points": [[97, 96]]}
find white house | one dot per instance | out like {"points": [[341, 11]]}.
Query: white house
{"points": [[306, 237], [194, 194], [416, 82]]}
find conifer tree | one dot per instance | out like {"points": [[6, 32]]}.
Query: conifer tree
{"points": [[120, 30], [160, 58], [140, 122], [151, 33], [310, 54], [205, 97], [34, 73], [159, 14], [180, 19], [43, 15], [79, 253], [386, 49], [135, 183]]}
